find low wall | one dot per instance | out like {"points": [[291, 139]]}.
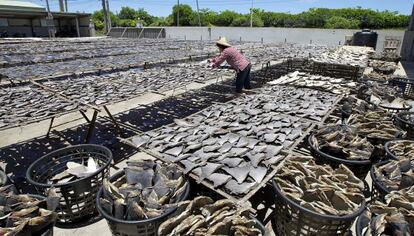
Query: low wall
{"points": [[290, 35]]}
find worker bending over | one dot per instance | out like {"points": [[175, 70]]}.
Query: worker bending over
{"points": [[236, 60]]}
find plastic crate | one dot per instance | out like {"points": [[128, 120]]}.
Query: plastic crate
{"points": [[291, 218], [147, 227], [77, 202]]}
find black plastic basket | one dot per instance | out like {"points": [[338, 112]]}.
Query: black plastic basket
{"points": [[395, 109], [147, 227], [404, 124], [389, 153], [291, 218], [360, 225], [77, 203], [260, 226], [359, 168], [379, 191]]}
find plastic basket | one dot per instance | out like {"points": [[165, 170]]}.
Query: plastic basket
{"points": [[404, 124], [360, 225], [395, 109], [405, 85], [379, 191], [391, 155], [77, 203], [260, 226], [359, 168], [292, 219], [147, 227]]}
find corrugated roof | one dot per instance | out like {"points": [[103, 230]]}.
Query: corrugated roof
{"points": [[20, 5]]}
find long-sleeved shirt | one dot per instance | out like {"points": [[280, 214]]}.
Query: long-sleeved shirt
{"points": [[233, 57]]}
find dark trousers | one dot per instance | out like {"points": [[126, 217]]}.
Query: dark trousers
{"points": [[243, 80]]}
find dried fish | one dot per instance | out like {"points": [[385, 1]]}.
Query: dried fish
{"points": [[375, 124], [258, 173], [395, 217], [146, 190], [75, 171], [26, 103], [402, 149], [298, 79], [240, 172], [219, 179], [342, 142], [320, 188], [395, 175], [222, 217], [345, 55], [24, 214], [235, 188]]}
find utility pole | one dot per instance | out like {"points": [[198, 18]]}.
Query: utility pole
{"points": [[178, 13], [66, 5], [104, 16], [251, 16], [61, 6], [108, 15], [198, 13]]}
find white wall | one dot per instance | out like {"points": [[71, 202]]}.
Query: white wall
{"points": [[291, 35]]}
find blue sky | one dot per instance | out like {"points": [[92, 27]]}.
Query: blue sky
{"points": [[163, 7]]}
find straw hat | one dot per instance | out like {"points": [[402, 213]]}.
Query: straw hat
{"points": [[223, 41]]}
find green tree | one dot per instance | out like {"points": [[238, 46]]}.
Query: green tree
{"points": [[98, 19], [338, 22], [127, 23], [240, 21], [186, 14], [225, 18], [313, 18], [127, 13], [143, 15], [162, 21]]}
